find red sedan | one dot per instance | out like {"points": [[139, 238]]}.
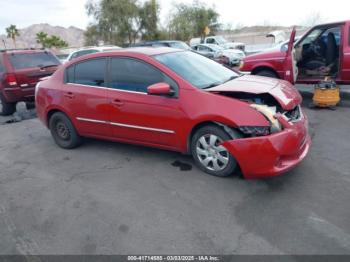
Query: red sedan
{"points": [[177, 100]]}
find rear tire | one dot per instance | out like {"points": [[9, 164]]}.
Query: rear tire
{"points": [[6, 108], [63, 131], [267, 73], [208, 155]]}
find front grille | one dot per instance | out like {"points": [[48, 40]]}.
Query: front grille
{"points": [[294, 114]]}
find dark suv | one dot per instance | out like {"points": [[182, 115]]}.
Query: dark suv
{"points": [[20, 71]]}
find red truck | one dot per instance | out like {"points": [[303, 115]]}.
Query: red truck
{"points": [[20, 71], [322, 51]]}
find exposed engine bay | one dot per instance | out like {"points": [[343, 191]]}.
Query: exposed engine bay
{"points": [[267, 106]]}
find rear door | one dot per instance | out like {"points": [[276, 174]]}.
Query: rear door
{"points": [[30, 67], [85, 97], [290, 66]]}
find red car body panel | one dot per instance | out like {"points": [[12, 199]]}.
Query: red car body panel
{"points": [[279, 61], [274, 154], [159, 121]]}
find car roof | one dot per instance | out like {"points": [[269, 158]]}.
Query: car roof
{"points": [[149, 51], [99, 48], [331, 23]]}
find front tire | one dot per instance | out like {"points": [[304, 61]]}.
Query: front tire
{"points": [[63, 131], [209, 155], [6, 108]]}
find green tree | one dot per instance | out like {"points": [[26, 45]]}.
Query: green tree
{"points": [[189, 21], [92, 35], [117, 20], [56, 41], [122, 21], [50, 41], [12, 32], [41, 38], [149, 14]]}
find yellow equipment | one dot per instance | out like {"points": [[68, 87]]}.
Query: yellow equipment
{"points": [[326, 94]]}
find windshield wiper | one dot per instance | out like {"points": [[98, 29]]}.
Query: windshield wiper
{"points": [[212, 85], [231, 78]]}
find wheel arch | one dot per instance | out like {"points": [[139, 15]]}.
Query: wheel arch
{"points": [[264, 68], [54, 110], [226, 128]]}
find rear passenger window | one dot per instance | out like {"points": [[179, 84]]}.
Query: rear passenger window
{"points": [[91, 72], [134, 75]]}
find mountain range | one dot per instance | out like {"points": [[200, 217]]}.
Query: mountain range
{"points": [[72, 35]]}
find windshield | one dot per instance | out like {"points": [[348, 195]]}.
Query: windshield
{"points": [[221, 40], [200, 71], [179, 45], [30, 60]]}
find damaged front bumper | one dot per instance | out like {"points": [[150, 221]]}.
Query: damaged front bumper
{"points": [[274, 154]]}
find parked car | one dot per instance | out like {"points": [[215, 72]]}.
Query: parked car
{"points": [[181, 101], [20, 70], [218, 40], [167, 43], [90, 50], [62, 57], [214, 51], [322, 51]]}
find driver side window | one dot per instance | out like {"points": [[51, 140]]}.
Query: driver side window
{"points": [[134, 75]]}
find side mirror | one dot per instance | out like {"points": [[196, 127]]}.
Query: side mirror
{"points": [[160, 89]]}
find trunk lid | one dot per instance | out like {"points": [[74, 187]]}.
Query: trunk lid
{"points": [[285, 93]]}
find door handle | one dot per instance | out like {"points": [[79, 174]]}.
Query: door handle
{"points": [[69, 95], [117, 102]]}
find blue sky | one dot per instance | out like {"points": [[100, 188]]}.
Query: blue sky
{"points": [[72, 12]]}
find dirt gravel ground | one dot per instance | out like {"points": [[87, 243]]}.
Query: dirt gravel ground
{"points": [[110, 198]]}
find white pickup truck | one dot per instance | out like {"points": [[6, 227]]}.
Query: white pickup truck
{"points": [[218, 40]]}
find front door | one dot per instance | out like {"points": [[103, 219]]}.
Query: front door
{"points": [[137, 116], [85, 94]]}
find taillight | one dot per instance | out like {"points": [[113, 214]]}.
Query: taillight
{"points": [[10, 79]]}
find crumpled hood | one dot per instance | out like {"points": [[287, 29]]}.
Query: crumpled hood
{"points": [[284, 92]]}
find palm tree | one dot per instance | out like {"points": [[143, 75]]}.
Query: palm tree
{"points": [[41, 38], [12, 32]]}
